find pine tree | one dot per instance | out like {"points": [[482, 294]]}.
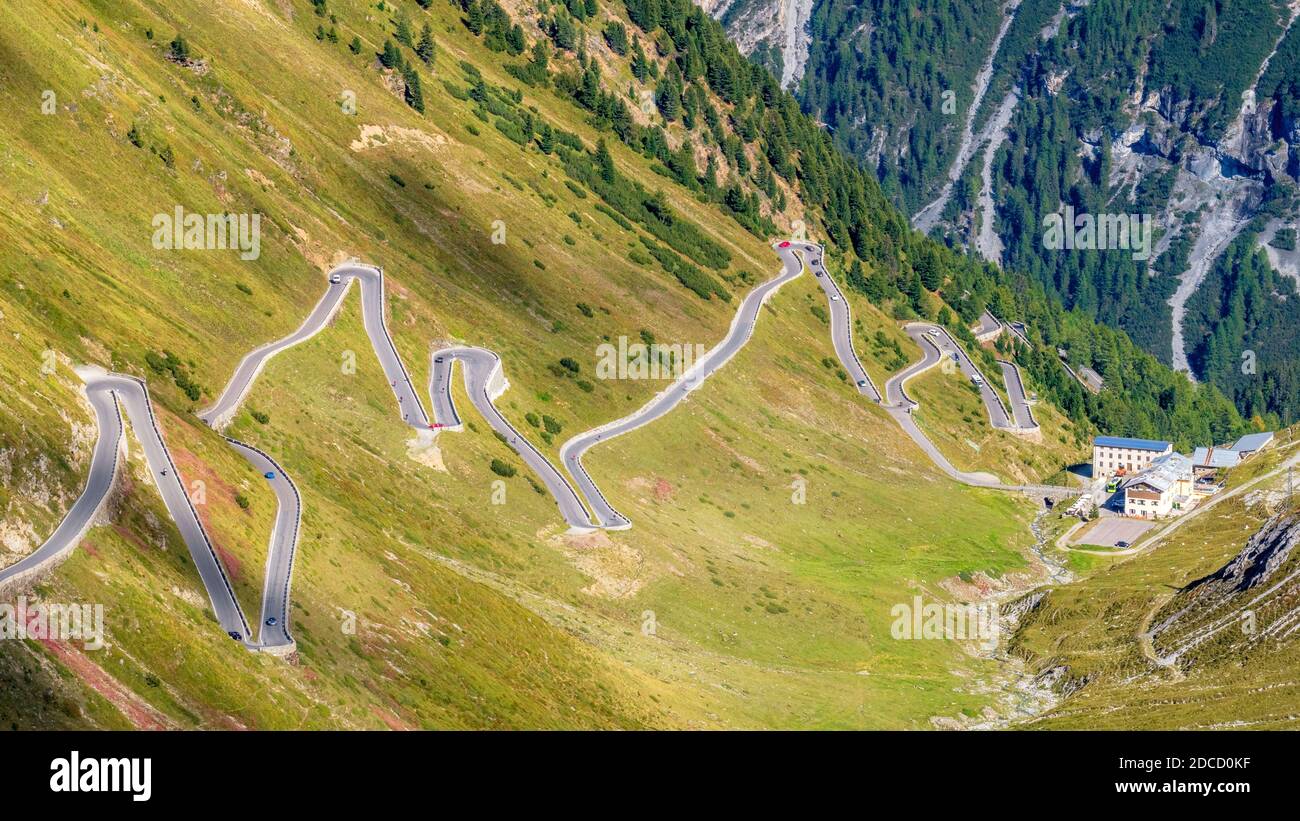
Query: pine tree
{"points": [[605, 162], [546, 139], [616, 37], [426, 50], [403, 31], [669, 98], [414, 94], [391, 57], [475, 19], [178, 49], [640, 65], [564, 32], [355, 45]]}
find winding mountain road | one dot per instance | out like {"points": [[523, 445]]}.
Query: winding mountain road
{"points": [[109, 394], [581, 503], [484, 381]]}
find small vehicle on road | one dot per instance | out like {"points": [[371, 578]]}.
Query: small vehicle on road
{"points": [[1112, 485], [235, 635], [335, 279], [438, 359], [862, 383], [835, 297], [164, 473], [977, 380], [955, 357], [1122, 543], [784, 245], [270, 474], [817, 273], [272, 622]]}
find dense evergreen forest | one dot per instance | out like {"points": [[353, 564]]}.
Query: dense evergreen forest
{"points": [[1199, 57], [883, 75], [708, 95]]}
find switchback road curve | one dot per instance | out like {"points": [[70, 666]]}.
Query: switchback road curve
{"points": [[581, 503]]}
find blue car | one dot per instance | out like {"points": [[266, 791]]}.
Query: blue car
{"points": [[269, 474]]}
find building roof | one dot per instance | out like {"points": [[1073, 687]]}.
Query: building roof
{"points": [[1215, 458], [1252, 442], [1133, 444], [1164, 472]]}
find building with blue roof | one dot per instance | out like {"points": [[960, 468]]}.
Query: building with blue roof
{"points": [[1122, 456]]}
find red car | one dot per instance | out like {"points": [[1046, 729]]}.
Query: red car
{"points": [[785, 245]]}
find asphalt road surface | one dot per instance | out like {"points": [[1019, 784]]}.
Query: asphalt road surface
{"points": [[273, 633], [742, 328], [484, 381], [372, 303], [583, 506], [111, 394], [103, 471], [841, 321], [948, 346], [1023, 416]]}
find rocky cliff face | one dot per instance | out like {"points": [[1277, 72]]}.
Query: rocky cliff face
{"points": [[773, 32], [1252, 601]]}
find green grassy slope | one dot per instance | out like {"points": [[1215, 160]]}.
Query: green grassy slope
{"points": [[466, 614], [1091, 632]]}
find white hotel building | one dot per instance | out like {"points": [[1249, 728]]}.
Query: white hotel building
{"points": [[1112, 455]]}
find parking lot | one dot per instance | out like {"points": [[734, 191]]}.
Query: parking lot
{"points": [[1108, 532]]}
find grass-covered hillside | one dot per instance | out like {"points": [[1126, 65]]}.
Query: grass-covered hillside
{"points": [[417, 602], [1194, 630], [539, 180]]}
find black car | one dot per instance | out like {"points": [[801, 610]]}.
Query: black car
{"points": [[1122, 543], [271, 622], [235, 635]]}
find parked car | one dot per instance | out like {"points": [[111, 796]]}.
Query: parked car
{"points": [[1122, 543]]}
